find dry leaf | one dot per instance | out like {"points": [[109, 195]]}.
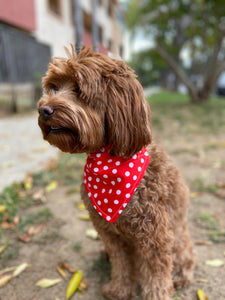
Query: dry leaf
{"points": [[25, 237], [51, 186], [5, 279], [45, 282], [16, 220], [3, 247], [92, 233], [195, 194], [2, 208], [66, 266], [201, 280], [7, 225], [28, 182], [73, 284], [38, 195], [34, 230], [61, 271], [84, 217], [20, 269], [201, 295], [81, 206], [83, 285], [203, 243], [215, 263]]}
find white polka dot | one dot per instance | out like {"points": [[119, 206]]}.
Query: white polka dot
{"points": [[100, 213], [97, 179], [85, 181], [127, 173], [142, 160], [120, 211], [117, 163], [105, 182], [116, 201], [89, 184], [124, 205], [139, 169], [108, 218], [95, 195], [94, 207], [90, 178], [103, 191], [106, 200], [84, 173], [98, 155], [119, 179], [135, 177], [96, 169], [95, 187], [113, 182], [110, 191], [127, 195], [127, 185], [131, 165], [146, 153], [110, 160], [105, 176], [109, 210], [114, 171], [89, 194], [105, 168], [99, 162], [90, 165], [99, 202], [135, 156], [118, 192]]}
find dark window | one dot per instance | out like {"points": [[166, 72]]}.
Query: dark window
{"points": [[55, 7]]}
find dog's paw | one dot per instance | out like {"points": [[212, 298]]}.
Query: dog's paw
{"points": [[114, 292]]}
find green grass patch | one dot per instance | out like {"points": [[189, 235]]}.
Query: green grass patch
{"points": [[198, 185]]}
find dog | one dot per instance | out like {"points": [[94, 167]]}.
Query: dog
{"points": [[136, 197]]}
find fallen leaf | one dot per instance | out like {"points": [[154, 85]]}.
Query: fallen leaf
{"points": [[6, 270], [195, 194], [92, 233], [201, 295], [2, 208], [16, 220], [83, 285], [38, 195], [28, 182], [20, 269], [215, 263], [66, 266], [45, 282], [51, 186], [81, 206], [24, 237], [201, 243], [84, 217], [5, 279], [73, 191], [3, 247], [61, 271], [73, 284], [35, 230], [7, 225], [201, 280]]}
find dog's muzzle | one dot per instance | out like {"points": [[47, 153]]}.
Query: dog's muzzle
{"points": [[46, 112]]}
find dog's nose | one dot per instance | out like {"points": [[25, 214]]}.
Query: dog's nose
{"points": [[46, 112]]}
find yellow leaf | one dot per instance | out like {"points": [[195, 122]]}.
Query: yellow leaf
{"points": [[61, 271], [20, 269], [45, 282], [92, 233], [2, 208], [73, 284], [201, 295], [51, 186], [215, 263], [3, 247], [84, 217], [28, 182], [81, 206], [5, 279], [195, 194]]}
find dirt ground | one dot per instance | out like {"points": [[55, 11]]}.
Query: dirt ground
{"points": [[201, 160]]}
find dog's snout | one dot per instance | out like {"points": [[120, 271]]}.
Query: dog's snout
{"points": [[46, 112]]}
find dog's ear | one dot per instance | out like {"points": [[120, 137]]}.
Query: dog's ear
{"points": [[127, 118]]}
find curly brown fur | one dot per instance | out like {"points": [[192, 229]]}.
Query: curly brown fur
{"points": [[89, 101]]}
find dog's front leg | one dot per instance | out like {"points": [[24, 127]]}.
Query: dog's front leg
{"points": [[154, 258]]}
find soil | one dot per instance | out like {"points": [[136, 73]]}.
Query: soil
{"points": [[200, 158]]}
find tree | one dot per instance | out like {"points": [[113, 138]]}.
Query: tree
{"points": [[196, 27]]}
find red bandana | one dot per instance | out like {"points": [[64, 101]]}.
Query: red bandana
{"points": [[111, 181]]}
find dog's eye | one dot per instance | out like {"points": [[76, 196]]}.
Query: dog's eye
{"points": [[54, 88], [77, 90]]}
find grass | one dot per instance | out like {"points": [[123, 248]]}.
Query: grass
{"points": [[168, 107]]}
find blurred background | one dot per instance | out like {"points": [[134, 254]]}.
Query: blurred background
{"points": [[177, 49]]}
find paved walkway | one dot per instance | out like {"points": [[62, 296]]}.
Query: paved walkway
{"points": [[22, 149]]}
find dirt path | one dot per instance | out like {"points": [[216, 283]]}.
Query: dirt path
{"points": [[201, 160], [22, 148]]}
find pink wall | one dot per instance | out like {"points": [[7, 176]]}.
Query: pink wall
{"points": [[20, 13]]}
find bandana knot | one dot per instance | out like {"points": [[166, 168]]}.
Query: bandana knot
{"points": [[111, 181]]}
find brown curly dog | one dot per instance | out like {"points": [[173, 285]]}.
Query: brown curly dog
{"points": [[94, 104]]}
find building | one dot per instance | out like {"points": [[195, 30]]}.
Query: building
{"points": [[37, 29]]}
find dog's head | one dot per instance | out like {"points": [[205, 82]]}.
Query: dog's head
{"points": [[90, 101]]}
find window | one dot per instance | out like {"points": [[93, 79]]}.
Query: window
{"points": [[55, 7]]}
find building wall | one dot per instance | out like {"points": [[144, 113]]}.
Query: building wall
{"points": [[20, 14], [53, 30]]}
